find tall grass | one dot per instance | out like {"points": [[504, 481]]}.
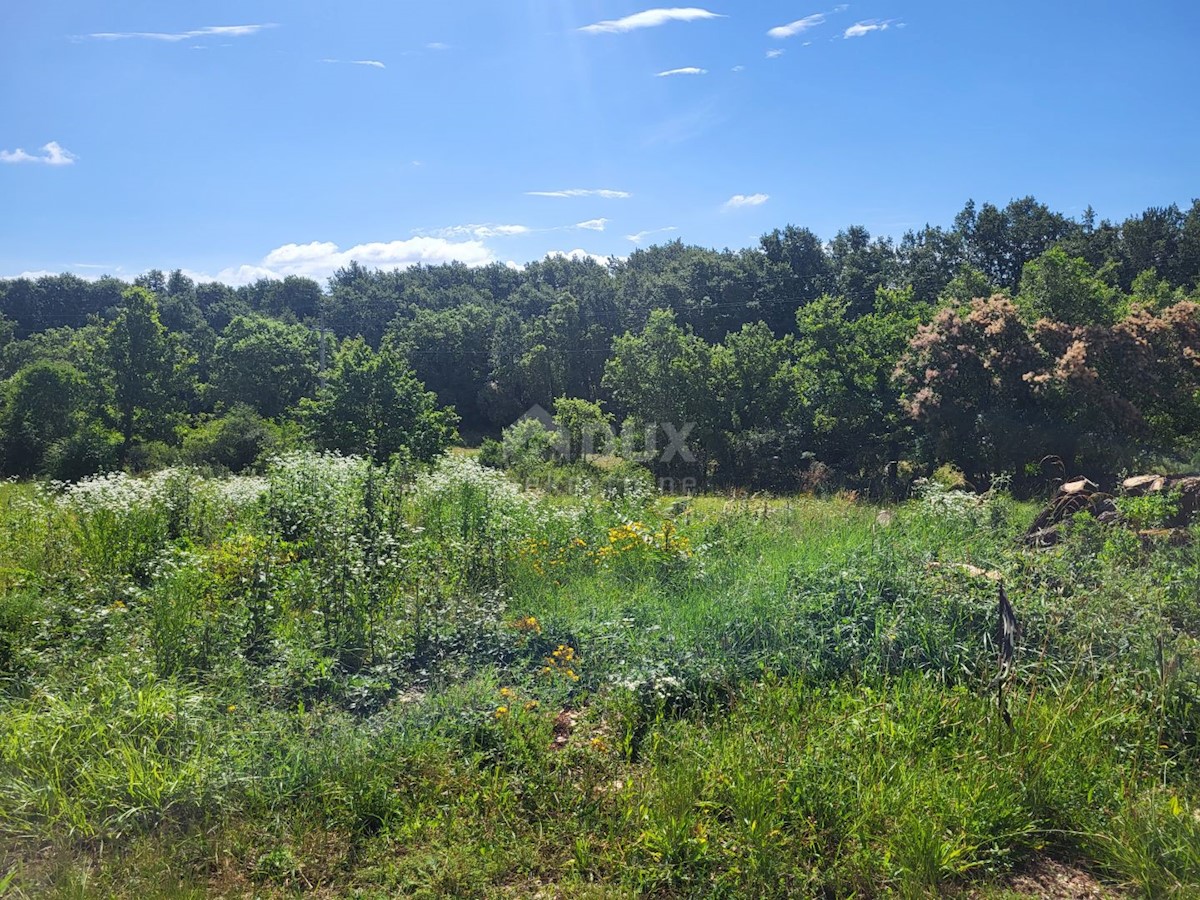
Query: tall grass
{"points": [[345, 677]]}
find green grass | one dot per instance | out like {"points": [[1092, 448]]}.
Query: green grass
{"points": [[376, 683]]}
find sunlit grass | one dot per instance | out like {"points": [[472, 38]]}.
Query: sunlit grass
{"points": [[347, 678]]}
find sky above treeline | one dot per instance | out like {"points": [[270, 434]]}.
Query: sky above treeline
{"points": [[249, 139]]}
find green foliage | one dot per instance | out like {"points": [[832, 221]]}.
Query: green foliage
{"points": [[1064, 289], [44, 404], [265, 364], [383, 678], [237, 440], [586, 427], [141, 364], [372, 404], [1154, 510], [526, 444], [660, 378], [767, 368]]}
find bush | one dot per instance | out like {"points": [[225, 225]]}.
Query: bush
{"points": [[491, 454], [239, 440], [527, 444], [91, 449]]}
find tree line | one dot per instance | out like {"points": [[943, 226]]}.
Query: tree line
{"points": [[1013, 335]]}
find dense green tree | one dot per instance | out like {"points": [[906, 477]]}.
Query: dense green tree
{"points": [[586, 426], [449, 351], [373, 404], [1151, 241], [42, 404], [862, 267], [1000, 241], [141, 359], [756, 388], [930, 259], [265, 364], [1056, 286], [846, 367], [660, 379]]}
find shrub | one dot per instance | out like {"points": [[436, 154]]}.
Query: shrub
{"points": [[238, 440]]}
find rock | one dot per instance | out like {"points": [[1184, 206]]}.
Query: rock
{"points": [[1079, 486], [1140, 485]]}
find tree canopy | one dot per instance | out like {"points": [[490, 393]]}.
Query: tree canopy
{"points": [[1012, 333]]}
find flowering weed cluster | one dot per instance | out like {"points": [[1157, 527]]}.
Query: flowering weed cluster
{"points": [[562, 663]]}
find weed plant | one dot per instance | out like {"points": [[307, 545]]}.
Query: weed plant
{"points": [[374, 681]]}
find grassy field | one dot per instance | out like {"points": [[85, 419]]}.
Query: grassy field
{"points": [[350, 681]]}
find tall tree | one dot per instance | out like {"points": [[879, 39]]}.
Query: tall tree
{"points": [[373, 404], [264, 364], [141, 361]]}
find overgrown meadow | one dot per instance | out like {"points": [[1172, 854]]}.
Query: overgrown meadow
{"points": [[356, 680]]}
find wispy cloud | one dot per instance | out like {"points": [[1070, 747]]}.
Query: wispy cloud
{"points": [[859, 29], [227, 31], [686, 70], [481, 231], [775, 53], [739, 68], [320, 259], [437, 45], [798, 27], [581, 192], [642, 235], [53, 154], [687, 124], [740, 201], [373, 63], [650, 18]]}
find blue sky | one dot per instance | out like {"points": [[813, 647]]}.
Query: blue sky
{"points": [[241, 139]]}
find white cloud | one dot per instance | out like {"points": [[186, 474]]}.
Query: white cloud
{"points": [[373, 63], [53, 154], [581, 192], [858, 29], [593, 225], [687, 70], [437, 45], [739, 68], [175, 36], [104, 271], [481, 231], [579, 254], [33, 275], [651, 18], [642, 235], [739, 201], [320, 259], [798, 27], [775, 54]]}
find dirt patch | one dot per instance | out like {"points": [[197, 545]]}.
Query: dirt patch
{"points": [[564, 724], [1058, 881]]}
